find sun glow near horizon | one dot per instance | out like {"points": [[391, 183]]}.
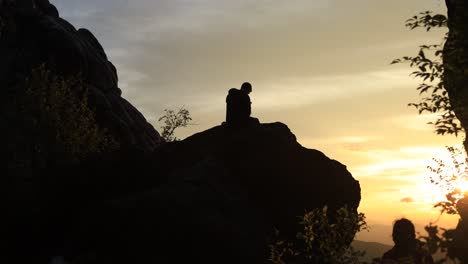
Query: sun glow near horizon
{"points": [[395, 181]]}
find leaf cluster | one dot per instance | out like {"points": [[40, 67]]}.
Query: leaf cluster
{"points": [[427, 20], [447, 175], [437, 242], [59, 117]]}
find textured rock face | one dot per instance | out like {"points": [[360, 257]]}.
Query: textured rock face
{"points": [[455, 57], [215, 197], [270, 164], [226, 191], [32, 34]]}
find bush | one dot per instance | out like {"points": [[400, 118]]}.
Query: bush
{"points": [[450, 176], [173, 120], [324, 238], [52, 123]]}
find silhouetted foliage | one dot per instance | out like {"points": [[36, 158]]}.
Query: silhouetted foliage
{"points": [[325, 237], [430, 70], [433, 69], [56, 121], [448, 176], [427, 20], [437, 241], [173, 120]]}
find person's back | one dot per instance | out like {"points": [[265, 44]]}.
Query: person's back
{"points": [[232, 106], [405, 256], [407, 249], [238, 106]]}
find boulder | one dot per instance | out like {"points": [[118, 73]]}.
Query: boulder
{"points": [[38, 179], [33, 34], [225, 193]]}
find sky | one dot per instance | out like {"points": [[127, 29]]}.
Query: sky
{"points": [[320, 66]]}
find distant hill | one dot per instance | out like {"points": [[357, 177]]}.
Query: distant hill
{"points": [[372, 249], [376, 250]]}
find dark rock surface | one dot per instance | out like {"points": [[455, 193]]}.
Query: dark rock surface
{"points": [[32, 34], [223, 194], [226, 192]]}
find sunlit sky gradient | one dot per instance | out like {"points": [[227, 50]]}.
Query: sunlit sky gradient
{"points": [[320, 66]]}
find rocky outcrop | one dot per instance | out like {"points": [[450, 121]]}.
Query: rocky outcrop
{"points": [[273, 168], [215, 197], [39, 180], [33, 34], [225, 193]]}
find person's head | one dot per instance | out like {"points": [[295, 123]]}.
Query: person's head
{"points": [[246, 87], [403, 232]]}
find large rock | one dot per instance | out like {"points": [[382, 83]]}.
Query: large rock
{"points": [[38, 182], [226, 192], [33, 34], [270, 165]]}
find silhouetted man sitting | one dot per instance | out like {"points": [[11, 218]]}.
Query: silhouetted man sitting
{"points": [[407, 249], [246, 104], [238, 106]]}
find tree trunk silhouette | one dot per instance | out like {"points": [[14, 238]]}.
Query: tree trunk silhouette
{"points": [[455, 56]]}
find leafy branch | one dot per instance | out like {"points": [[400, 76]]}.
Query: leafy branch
{"points": [[430, 69], [448, 176]]}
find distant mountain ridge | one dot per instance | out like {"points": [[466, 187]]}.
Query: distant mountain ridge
{"points": [[372, 249]]}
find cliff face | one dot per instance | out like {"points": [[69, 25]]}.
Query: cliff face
{"points": [[270, 165], [213, 197], [264, 174], [32, 34], [225, 192]]}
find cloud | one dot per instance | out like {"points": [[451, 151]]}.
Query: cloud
{"points": [[407, 200], [298, 51]]}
